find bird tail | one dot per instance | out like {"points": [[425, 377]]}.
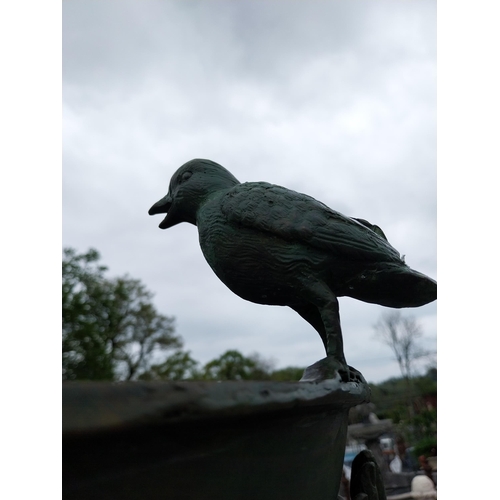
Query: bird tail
{"points": [[396, 286]]}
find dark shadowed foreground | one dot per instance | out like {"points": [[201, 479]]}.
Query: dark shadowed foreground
{"points": [[206, 440]]}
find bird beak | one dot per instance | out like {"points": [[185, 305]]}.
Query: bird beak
{"points": [[162, 207]]}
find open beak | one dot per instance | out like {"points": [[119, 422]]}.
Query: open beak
{"points": [[162, 207]]}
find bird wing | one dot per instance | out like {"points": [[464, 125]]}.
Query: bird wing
{"points": [[297, 217]]}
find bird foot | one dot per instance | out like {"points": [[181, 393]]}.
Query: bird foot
{"points": [[330, 368]]}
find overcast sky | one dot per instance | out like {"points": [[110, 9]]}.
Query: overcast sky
{"points": [[333, 99]]}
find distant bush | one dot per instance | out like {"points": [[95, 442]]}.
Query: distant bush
{"points": [[426, 446]]}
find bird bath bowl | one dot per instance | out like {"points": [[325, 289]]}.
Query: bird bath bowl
{"points": [[206, 440]]}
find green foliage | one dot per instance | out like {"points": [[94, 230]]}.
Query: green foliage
{"points": [[391, 397], [426, 386], [111, 329], [426, 446], [417, 423], [86, 353], [178, 366], [423, 424], [232, 365], [288, 374]]}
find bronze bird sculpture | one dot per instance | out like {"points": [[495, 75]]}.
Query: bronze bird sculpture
{"points": [[271, 245]]}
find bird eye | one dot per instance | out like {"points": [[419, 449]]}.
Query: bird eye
{"points": [[185, 176]]}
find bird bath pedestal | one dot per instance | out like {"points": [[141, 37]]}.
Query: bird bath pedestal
{"points": [[206, 440], [370, 433]]}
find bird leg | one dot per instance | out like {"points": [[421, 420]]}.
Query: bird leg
{"points": [[331, 319], [335, 359], [327, 306], [322, 369], [311, 314]]}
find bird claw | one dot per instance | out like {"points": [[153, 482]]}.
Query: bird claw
{"points": [[355, 376], [331, 368]]}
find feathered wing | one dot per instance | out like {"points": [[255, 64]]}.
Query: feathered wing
{"points": [[297, 217]]}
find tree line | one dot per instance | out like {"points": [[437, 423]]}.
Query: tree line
{"points": [[111, 330]]}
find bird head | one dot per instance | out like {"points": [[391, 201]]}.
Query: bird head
{"points": [[189, 187]]}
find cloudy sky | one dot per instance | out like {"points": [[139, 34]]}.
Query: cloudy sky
{"points": [[333, 99]]}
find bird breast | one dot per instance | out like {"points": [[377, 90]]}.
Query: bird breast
{"points": [[255, 265]]}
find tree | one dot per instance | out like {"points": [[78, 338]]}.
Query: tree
{"points": [[179, 366], [391, 401], [111, 329], [288, 374], [232, 365], [401, 334], [86, 354]]}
